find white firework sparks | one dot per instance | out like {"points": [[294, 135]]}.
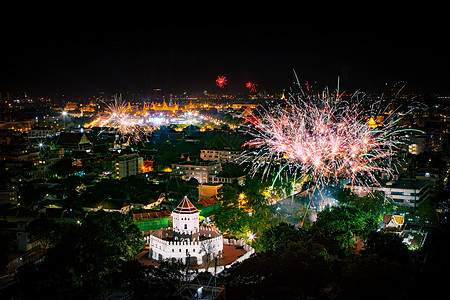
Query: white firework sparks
{"points": [[323, 137]]}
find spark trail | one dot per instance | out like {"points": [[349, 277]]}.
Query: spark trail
{"points": [[129, 127], [324, 137]]}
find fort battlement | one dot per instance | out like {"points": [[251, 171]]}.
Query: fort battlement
{"points": [[186, 238]]}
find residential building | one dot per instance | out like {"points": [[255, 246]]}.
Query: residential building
{"points": [[221, 155], [123, 165], [127, 165], [225, 178], [404, 192], [417, 144], [203, 171], [41, 133], [8, 194]]}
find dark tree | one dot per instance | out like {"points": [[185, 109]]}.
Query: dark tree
{"points": [[46, 231], [274, 236], [150, 282], [29, 195], [372, 277], [105, 239], [86, 259], [387, 245], [344, 223]]}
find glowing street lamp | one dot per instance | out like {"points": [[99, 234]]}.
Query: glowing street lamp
{"points": [[64, 114], [241, 197]]}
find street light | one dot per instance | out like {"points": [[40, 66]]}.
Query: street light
{"points": [[241, 197], [64, 114]]}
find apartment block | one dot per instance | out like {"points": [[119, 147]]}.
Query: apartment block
{"points": [[203, 171]]}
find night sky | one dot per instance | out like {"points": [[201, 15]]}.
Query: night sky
{"points": [[46, 58]]}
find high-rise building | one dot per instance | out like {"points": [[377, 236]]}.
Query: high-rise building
{"points": [[203, 171], [127, 165]]}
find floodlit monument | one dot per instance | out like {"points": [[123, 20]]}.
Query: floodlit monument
{"points": [[186, 241]]}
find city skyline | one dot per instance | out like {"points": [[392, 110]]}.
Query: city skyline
{"points": [[188, 57], [173, 154]]}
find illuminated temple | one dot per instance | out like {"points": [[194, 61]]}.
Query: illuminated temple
{"points": [[164, 107]]}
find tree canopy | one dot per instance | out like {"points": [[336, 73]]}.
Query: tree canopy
{"points": [[86, 257], [344, 223]]}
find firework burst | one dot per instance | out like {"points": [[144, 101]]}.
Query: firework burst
{"points": [[128, 127], [221, 81], [251, 86], [324, 137]]}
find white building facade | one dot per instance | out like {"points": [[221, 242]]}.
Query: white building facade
{"points": [[221, 155], [186, 241], [203, 171], [404, 192]]}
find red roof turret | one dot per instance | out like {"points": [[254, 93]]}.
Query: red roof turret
{"points": [[185, 207]]}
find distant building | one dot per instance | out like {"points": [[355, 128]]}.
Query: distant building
{"points": [[41, 133], [127, 165], [228, 179], [417, 144], [374, 122], [14, 152], [206, 191], [18, 237], [393, 223], [220, 155], [404, 192], [8, 194], [71, 106], [73, 140], [203, 171], [164, 107]]}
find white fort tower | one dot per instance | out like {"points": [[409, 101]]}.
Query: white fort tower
{"points": [[186, 240]]}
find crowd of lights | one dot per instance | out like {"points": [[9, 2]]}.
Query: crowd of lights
{"points": [[134, 127]]}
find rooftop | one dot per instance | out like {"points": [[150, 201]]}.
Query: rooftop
{"points": [[185, 207], [197, 163], [413, 184]]}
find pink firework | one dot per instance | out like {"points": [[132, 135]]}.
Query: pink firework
{"points": [[221, 81], [322, 138], [251, 86]]}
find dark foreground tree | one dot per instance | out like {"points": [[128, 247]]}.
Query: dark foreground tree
{"points": [[86, 259], [297, 270], [344, 223], [150, 282], [275, 236], [46, 231]]}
